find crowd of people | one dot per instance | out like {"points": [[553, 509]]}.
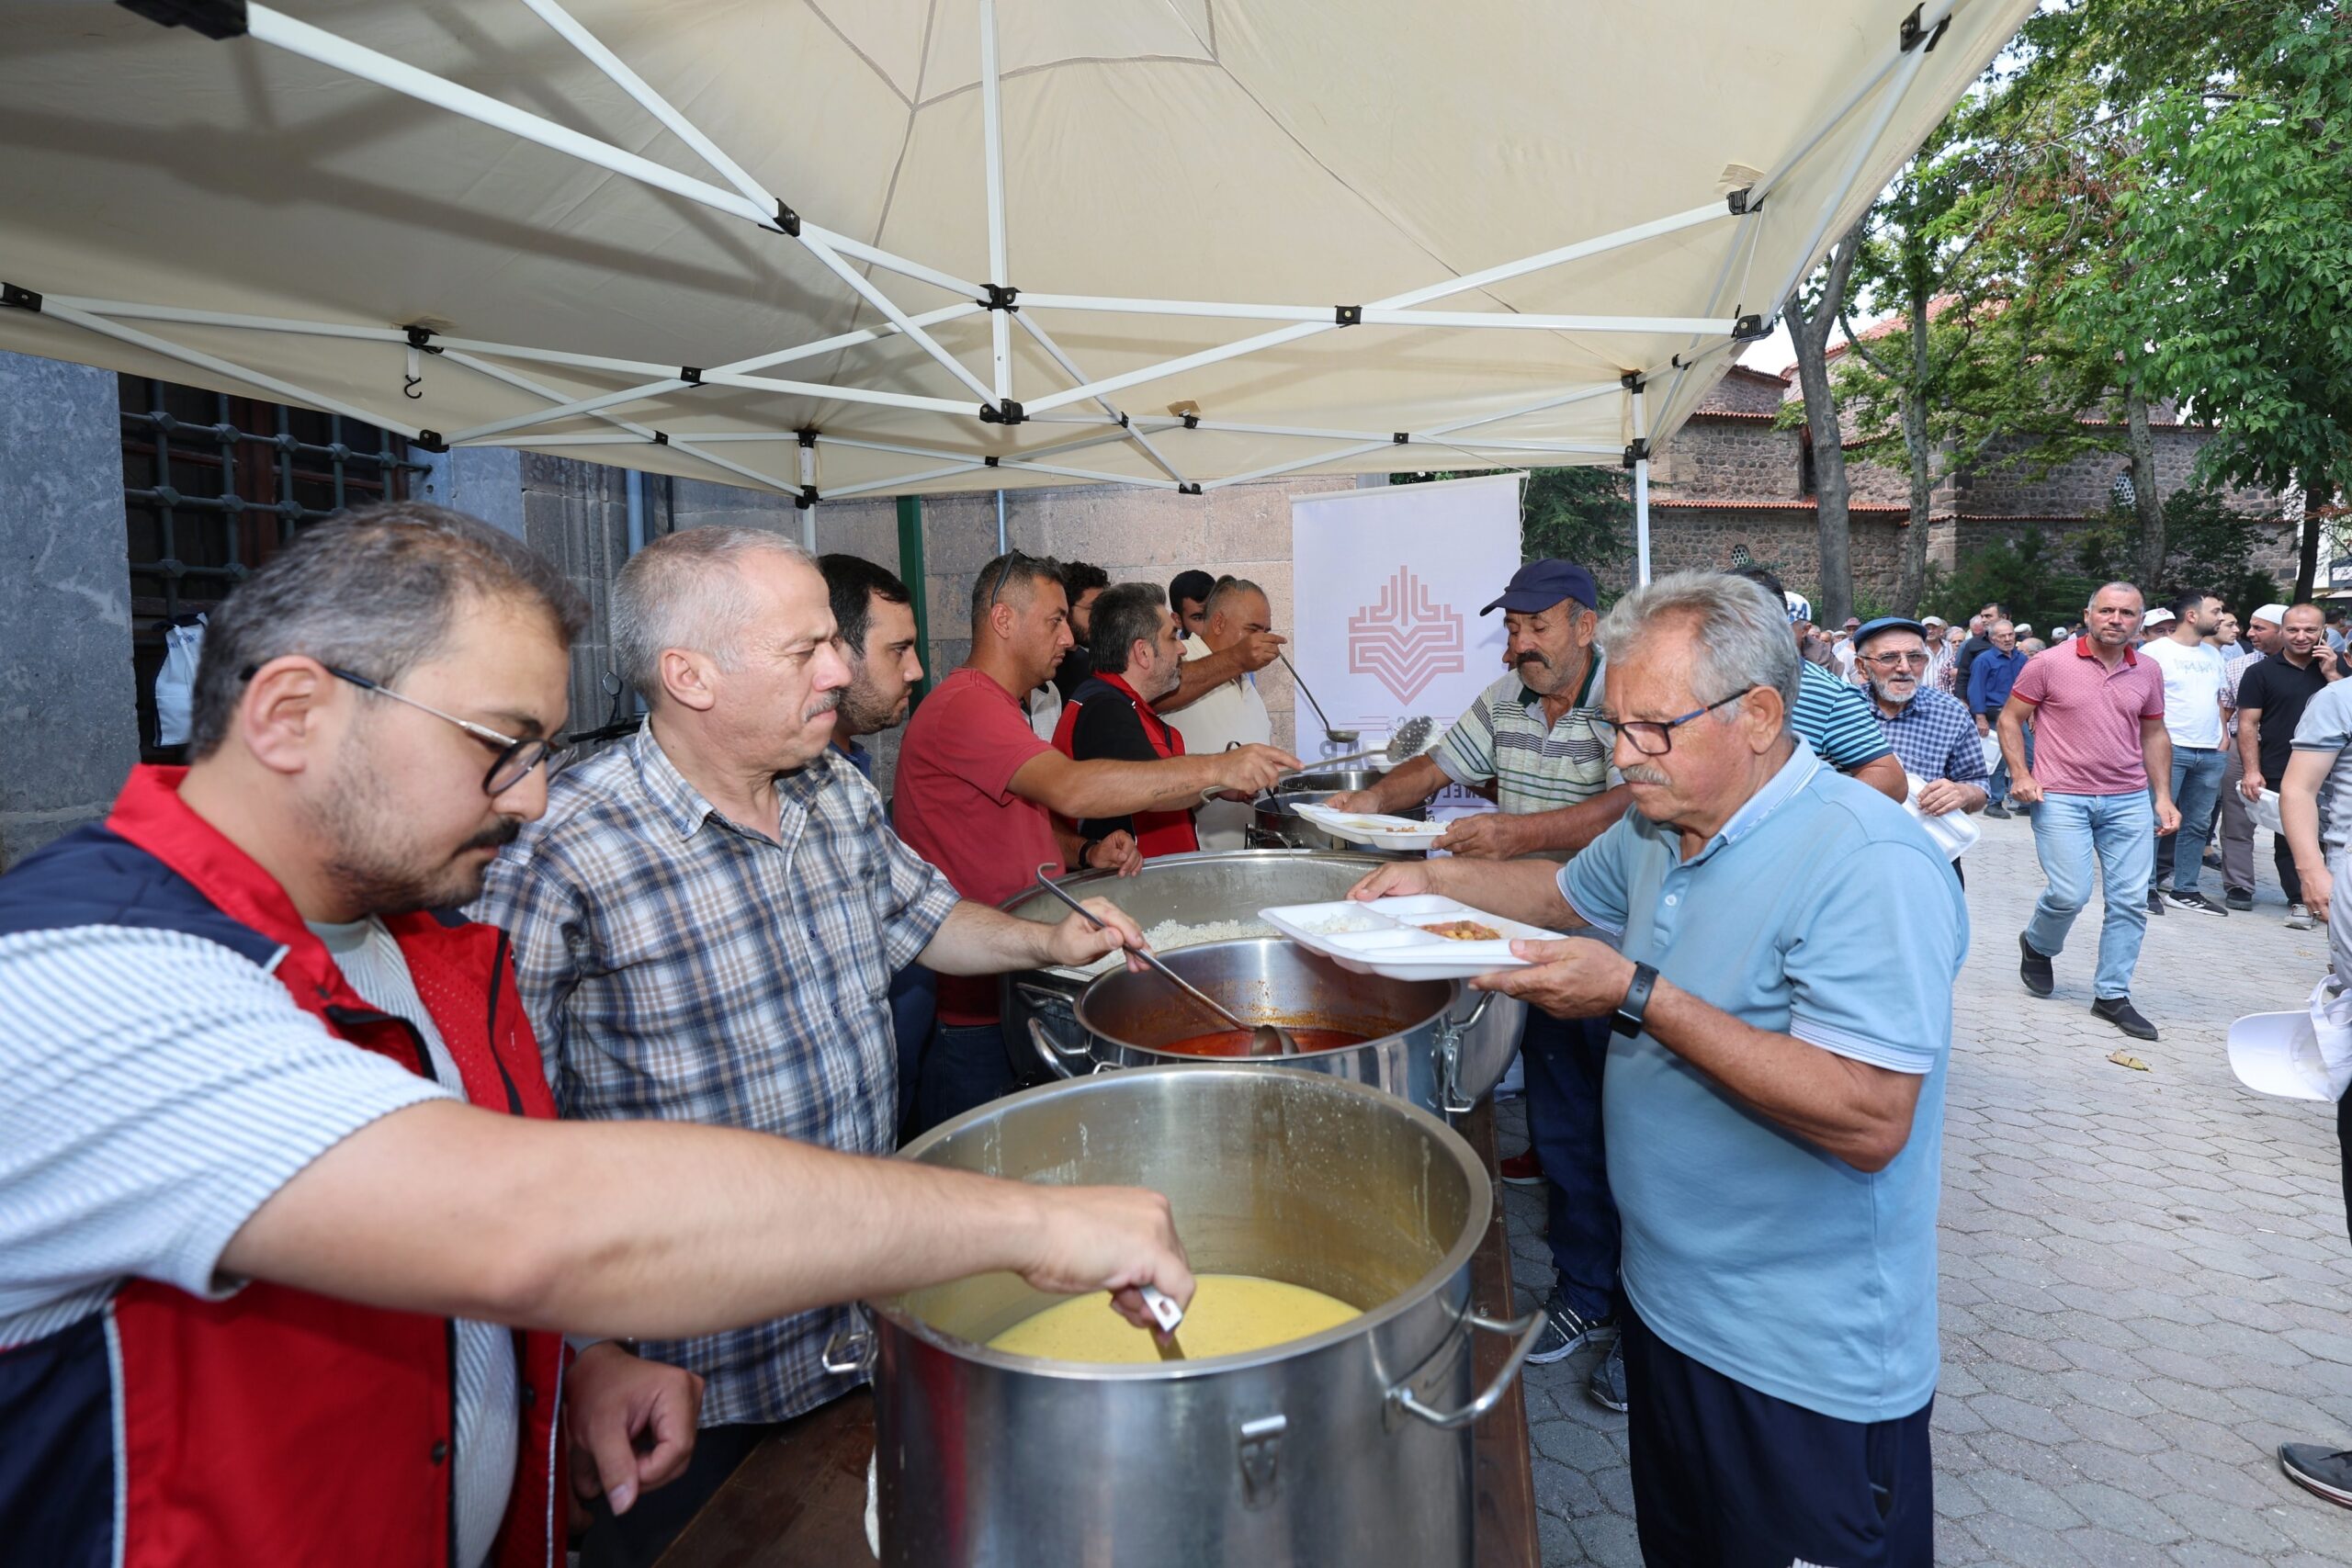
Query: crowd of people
{"points": [[625, 1026]]}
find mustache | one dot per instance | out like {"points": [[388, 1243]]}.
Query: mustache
{"points": [[505, 833], [828, 703], [1641, 773], [1531, 657]]}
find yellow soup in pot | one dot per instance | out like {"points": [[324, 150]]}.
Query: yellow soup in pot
{"points": [[1230, 1313]]}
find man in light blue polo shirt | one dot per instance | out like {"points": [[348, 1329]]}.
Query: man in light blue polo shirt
{"points": [[1773, 1099]]}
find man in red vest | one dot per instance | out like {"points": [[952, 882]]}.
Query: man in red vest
{"points": [[287, 1233], [1138, 656]]}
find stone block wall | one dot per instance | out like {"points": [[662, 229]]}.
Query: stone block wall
{"points": [[1694, 539], [1722, 459]]}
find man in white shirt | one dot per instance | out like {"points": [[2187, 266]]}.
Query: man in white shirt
{"points": [[2193, 670], [1229, 714]]}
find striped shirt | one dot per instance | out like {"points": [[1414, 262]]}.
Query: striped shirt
{"points": [[1935, 736], [161, 1088], [1534, 764], [1836, 720], [679, 966], [488, 1396]]}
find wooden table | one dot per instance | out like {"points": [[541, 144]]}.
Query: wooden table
{"points": [[800, 1498]]}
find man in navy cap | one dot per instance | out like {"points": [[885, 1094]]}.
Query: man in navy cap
{"points": [[1933, 735], [1537, 737]]}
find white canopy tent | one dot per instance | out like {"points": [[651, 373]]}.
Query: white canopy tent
{"points": [[839, 247]]}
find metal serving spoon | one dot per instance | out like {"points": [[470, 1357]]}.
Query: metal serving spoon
{"points": [[1265, 1039]]}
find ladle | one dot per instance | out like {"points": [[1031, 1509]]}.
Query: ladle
{"points": [[1265, 1039]]}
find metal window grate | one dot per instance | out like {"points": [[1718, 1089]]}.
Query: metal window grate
{"points": [[213, 485]]}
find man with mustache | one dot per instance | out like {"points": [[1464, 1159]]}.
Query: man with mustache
{"points": [[1929, 731], [1774, 1095], [707, 919]]}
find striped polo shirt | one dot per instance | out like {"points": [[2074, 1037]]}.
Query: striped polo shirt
{"points": [[1534, 764], [1836, 720], [2086, 717]]}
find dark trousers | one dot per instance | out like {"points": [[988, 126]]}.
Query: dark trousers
{"points": [[914, 1007], [2282, 860], [636, 1538], [1726, 1476], [965, 1066], [1563, 1059], [2344, 1141]]}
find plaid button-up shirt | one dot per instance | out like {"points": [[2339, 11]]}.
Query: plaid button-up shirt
{"points": [[1935, 736], [683, 968]]}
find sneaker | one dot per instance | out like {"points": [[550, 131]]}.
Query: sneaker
{"points": [[1992, 809], [2155, 902], [1564, 1333], [2299, 918], [2196, 901], [1607, 1384], [1523, 1170], [2237, 898], [2033, 968], [2118, 1011], [2316, 1467]]}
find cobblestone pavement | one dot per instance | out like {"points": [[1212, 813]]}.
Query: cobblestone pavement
{"points": [[2145, 1275]]}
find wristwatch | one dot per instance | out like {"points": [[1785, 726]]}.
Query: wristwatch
{"points": [[1628, 1018]]}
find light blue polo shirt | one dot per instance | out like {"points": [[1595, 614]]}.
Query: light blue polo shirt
{"points": [[1820, 910]]}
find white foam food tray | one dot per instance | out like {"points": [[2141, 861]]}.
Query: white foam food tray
{"points": [[1382, 832], [1389, 936]]}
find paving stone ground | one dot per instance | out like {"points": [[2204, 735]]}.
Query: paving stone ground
{"points": [[2146, 1280]]}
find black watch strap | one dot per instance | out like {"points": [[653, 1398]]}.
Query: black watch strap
{"points": [[1628, 1019]]}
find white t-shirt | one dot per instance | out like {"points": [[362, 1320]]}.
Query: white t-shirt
{"points": [[1234, 713], [2192, 691]]}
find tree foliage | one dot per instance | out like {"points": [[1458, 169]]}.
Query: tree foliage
{"points": [[1583, 513]]}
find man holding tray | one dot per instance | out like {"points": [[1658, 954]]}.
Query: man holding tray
{"points": [[1774, 1092]]}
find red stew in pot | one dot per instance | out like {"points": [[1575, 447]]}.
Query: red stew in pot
{"points": [[1236, 1042]]}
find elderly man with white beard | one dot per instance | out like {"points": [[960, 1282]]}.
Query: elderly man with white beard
{"points": [[1932, 732], [1774, 1095], [706, 921]]}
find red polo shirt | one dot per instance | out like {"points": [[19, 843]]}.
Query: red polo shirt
{"points": [[2086, 717], [955, 807]]}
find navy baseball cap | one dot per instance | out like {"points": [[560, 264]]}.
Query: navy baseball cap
{"points": [[1540, 584], [1870, 629]]}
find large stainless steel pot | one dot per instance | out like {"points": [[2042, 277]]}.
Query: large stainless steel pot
{"points": [[1216, 885], [1350, 1447], [1424, 1039], [1276, 824]]}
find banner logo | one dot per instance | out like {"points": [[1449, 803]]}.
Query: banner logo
{"points": [[1405, 641]]}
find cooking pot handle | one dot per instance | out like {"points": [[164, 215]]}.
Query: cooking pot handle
{"points": [[1527, 1328], [850, 1352], [1450, 1054], [1486, 999], [1056, 1057]]}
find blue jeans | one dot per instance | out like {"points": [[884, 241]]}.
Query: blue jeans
{"points": [[1564, 1057], [2119, 832], [914, 1007], [1997, 789], [2197, 790]]}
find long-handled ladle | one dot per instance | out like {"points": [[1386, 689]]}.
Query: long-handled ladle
{"points": [[1265, 1039]]}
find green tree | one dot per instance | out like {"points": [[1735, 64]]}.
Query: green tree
{"points": [[1583, 513]]}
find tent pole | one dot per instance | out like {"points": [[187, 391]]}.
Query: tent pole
{"points": [[1001, 545], [1803, 149], [1622, 237], [807, 492], [1376, 317], [1635, 386], [898, 319], [897, 481], [1069, 367], [993, 158], [1096, 475], [1906, 72]]}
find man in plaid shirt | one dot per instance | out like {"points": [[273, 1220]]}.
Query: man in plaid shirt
{"points": [[1932, 733], [707, 919]]}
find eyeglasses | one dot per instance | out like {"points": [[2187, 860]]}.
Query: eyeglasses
{"points": [[1895, 661], [1012, 558], [1654, 738], [516, 757]]}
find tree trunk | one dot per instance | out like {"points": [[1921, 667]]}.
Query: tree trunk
{"points": [[2317, 493], [2145, 502], [1913, 579], [1834, 600]]}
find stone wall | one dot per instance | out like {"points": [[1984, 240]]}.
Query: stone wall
{"points": [[67, 702], [1691, 538], [1722, 459]]}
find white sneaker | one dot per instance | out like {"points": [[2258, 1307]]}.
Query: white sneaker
{"points": [[2298, 919]]}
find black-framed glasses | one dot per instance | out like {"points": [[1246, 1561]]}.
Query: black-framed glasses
{"points": [[1654, 738], [996, 590], [516, 757]]}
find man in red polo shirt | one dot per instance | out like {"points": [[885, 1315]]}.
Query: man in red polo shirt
{"points": [[1138, 650], [976, 793], [2100, 788]]}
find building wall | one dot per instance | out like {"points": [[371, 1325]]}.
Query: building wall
{"points": [[1695, 538], [1723, 459]]}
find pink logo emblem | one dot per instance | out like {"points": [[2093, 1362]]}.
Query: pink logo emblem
{"points": [[1405, 642]]}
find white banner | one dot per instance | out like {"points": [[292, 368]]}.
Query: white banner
{"points": [[1387, 582]]}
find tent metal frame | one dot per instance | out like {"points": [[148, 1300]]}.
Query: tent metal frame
{"points": [[742, 197]]}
